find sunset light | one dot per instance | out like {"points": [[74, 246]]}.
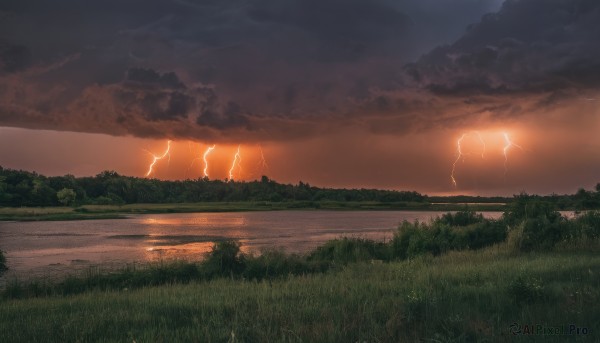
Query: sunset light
{"points": [[299, 170], [474, 143]]}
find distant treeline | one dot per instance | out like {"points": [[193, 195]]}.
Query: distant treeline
{"points": [[581, 200], [22, 188]]}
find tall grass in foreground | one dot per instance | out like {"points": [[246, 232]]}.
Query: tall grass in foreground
{"points": [[462, 296]]}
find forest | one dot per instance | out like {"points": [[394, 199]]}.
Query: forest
{"points": [[22, 188]]}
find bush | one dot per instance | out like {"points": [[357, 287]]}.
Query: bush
{"points": [[224, 259], [536, 225], [416, 239], [348, 250], [109, 199], [437, 237], [527, 207], [480, 235], [588, 225], [3, 266], [461, 218], [406, 236], [542, 234], [274, 263]]}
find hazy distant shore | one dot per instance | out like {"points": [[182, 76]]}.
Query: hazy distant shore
{"points": [[116, 212]]}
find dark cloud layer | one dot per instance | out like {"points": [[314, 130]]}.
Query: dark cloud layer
{"points": [[282, 69], [14, 57], [529, 46]]}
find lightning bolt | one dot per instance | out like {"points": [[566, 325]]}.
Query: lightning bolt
{"points": [[507, 146], [262, 164], [482, 143], [237, 159], [461, 154], [206, 153], [158, 158]]}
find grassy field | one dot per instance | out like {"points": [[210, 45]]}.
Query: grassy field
{"points": [[113, 211], [457, 297]]}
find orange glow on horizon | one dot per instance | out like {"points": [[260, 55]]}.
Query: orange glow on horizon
{"points": [[497, 140]]}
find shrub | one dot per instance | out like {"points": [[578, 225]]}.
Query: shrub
{"points": [[461, 218], [437, 237], [480, 235], [589, 224], [414, 239], [348, 250], [224, 259], [542, 233], [275, 263], [109, 199], [527, 207], [3, 266], [406, 233]]}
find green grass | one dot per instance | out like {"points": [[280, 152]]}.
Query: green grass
{"points": [[457, 297], [115, 212], [53, 213]]}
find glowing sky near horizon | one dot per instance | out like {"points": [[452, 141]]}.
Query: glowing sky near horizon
{"points": [[351, 93]]}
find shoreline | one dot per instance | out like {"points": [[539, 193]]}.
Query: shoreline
{"points": [[95, 212]]}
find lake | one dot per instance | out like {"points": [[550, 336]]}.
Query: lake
{"points": [[40, 249]]}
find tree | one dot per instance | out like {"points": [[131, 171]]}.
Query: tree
{"points": [[66, 196]]}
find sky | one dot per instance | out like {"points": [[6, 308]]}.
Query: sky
{"points": [[480, 97]]}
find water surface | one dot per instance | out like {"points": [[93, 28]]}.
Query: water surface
{"points": [[59, 247]]}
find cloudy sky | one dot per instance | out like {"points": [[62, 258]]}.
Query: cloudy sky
{"points": [[497, 96]]}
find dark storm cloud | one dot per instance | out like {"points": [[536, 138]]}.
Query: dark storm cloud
{"points": [[275, 69], [528, 46], [14, 57], [153, 78], [231, 116], [198, 67]]}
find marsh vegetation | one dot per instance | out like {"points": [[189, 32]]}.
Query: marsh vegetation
{"points": [[460, 277]]}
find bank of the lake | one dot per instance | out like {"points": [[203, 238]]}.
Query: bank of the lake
{"points": [[114, 212]]}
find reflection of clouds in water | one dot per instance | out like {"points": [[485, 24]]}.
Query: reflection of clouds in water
{"points": [[190, 235], [201, 220]]}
